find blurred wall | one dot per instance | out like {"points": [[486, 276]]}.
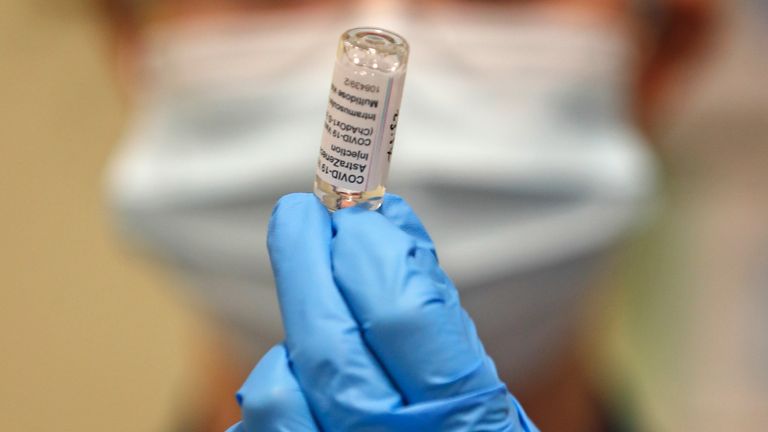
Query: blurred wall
{"points": [[689, 335], [91, 339]]}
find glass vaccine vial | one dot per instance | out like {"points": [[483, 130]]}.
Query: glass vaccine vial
{"points": [[361, 118]]}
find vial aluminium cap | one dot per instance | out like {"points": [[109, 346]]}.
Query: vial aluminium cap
{"points": [[361, 119]]}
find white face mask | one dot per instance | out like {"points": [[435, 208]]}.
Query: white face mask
{"points": [[514, 146]]}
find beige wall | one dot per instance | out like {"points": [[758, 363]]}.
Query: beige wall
{"points": [[90, 338]]}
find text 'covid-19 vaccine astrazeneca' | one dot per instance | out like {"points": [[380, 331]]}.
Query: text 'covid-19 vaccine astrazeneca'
{"points": [[361, 119]]}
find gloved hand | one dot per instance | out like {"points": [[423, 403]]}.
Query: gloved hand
{"points": [[376, 339]]}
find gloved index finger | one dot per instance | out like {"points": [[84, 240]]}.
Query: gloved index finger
{"points": [[341, 379]]}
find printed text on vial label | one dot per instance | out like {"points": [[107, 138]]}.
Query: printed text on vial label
{"points": [[359, 121]]}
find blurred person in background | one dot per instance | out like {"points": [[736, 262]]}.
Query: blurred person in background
{"points": [[542, 171]]}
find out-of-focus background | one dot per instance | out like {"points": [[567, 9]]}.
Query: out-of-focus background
{"points": [[96, 338], [90, 338]]}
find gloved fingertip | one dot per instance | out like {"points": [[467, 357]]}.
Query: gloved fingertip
{"points": [[393, 199], [296, 199], [293, 217], [401, 214], [269, 368], [394, 207]]}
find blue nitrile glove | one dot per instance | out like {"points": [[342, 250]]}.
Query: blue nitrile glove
{"points": [[376, 339]]}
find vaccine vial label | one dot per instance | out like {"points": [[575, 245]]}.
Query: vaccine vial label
{"points": [[359, 129]]}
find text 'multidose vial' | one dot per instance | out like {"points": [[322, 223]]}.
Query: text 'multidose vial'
{"points": [[361, 119]]}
